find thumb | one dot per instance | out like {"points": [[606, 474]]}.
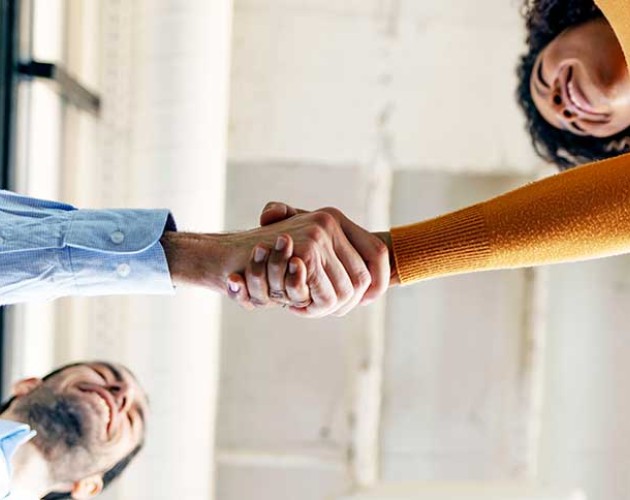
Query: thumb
{"points": [[276, 211]]}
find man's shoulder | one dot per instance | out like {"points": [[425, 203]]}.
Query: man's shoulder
{"points": [[12, 436], [5, 478]]}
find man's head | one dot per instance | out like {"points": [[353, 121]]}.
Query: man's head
{"points": [[574, 85], [90, 422]]}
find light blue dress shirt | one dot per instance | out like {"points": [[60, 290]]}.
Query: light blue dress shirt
{"points": [[50, 249], [12, 436]]}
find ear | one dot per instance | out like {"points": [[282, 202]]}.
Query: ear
{"points": [[25, 386], [88, 487]]}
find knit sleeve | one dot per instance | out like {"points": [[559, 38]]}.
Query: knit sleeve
{"points": [[617, 13], [580, 214]]}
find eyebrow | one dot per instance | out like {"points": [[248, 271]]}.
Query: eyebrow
{"points": [[540, 76], [118, 376]]}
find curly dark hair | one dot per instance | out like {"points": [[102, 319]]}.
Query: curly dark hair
{"points": [[545, 20]]}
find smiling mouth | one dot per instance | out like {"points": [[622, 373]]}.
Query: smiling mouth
{"points": [[102, 402], [579, 102]]}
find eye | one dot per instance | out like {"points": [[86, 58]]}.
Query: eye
{"points": [[577, 127]]}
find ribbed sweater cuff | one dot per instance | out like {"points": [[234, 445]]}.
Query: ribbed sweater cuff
{"points": [[450, 244]]}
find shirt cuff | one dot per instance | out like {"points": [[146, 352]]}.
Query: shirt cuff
{"points": [[113, 252]]}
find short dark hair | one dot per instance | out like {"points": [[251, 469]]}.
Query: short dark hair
{"points": [[545, 20], [108, 476]]}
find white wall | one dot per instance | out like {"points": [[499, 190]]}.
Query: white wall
{"points": [[392, 110], [395, 110]]}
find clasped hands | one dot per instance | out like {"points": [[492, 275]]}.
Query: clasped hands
{"points": [[321, 263]]}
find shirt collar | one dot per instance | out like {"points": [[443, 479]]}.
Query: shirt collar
{"points": [[12, 436]]}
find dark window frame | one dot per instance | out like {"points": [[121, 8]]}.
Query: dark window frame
{"points": [[15, 67], [8, 107]]}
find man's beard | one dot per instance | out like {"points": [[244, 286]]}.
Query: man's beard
{"points": [[63, 432]]}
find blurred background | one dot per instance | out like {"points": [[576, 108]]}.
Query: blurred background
{"points": [[502, 385]]}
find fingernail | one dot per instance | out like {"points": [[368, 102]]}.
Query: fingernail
{"points": [[259, 255], [233, 287], [281, 243], [292, 267]]}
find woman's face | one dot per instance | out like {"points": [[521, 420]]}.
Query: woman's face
{"points": [[580, 81]]}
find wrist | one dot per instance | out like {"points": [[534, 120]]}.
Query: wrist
{"points": [[199, 259], [386, 238]]}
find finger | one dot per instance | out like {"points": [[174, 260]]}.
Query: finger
{"points": [[237, 291], [323, 294], [296, 287], [376, 256], [356, 271], [325, 269], [256, 276], [345, 267], [276, 211], [374, 252], [277, 268]]}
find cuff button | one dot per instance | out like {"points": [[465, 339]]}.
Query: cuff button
{"points": [[123, 270], [117, 237]]}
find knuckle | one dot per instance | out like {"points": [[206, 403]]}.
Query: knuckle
{"points": [[317, 233], [363, 279], [271, 204], [324, 219], [257, 272], [381, 251], [275, 261], [258, 303], [277, 295], [327, 301], [345, 293], [335, 213]]}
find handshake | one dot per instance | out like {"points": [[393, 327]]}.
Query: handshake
{"points": [[315, 263]]}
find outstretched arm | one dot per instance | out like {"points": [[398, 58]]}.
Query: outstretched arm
{"points": [[336, 274], [580, 214], [50, 249]]}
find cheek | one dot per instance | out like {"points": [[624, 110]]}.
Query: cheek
{"points": [[543, 107], [621, 123]]}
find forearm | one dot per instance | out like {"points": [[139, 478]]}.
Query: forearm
{"points": [[580, 214]]}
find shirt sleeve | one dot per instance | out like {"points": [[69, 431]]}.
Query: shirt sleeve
{"points": [[50, 250], [583, 213]]}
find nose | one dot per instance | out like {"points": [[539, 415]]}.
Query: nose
{"points": [[123, 395], [557, 104]]}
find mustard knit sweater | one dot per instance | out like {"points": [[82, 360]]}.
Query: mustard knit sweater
{"points": [[580, 214]]}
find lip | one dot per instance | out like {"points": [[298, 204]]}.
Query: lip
{"points": [[577, 101], [107, 398]]}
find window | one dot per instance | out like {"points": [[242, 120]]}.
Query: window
{"points": [[50, 111]]}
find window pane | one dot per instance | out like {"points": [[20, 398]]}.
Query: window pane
{"points": [[82, 57], [48, 40]]}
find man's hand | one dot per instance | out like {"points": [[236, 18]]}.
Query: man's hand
{"points": [[272, 278], [336, 274]]}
